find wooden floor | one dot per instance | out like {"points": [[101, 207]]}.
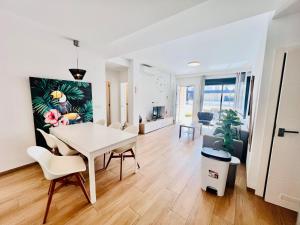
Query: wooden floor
{"points": [[165, 191]]}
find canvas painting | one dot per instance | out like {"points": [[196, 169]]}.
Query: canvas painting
{"points": [[59, 103]]}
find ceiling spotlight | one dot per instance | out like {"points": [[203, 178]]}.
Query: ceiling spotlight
{"points": [[194, 63]]}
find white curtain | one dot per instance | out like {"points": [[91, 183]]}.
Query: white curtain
{"points": [[240, 91]]}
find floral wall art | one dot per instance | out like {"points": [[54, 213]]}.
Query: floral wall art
{"points": [[59, 103]]}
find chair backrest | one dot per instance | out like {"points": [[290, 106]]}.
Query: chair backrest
{"points": [[205, 116], [116, 125], [62, 147], [43, 157], [101, 122], [132, 129], [48, 138]]}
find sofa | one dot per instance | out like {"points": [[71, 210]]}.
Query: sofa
{"points": [[217, 143], [242, 135]]}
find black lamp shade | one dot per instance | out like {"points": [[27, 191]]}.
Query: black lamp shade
{"points": [[78, 74]]}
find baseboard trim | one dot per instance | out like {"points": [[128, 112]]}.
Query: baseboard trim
{"points": [[17, 168], [251, 190]]}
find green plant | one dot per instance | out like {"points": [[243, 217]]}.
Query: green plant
{"points": [[228, 122]]}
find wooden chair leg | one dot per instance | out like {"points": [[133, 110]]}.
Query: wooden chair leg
{"points": [[77, 175], [111, 155], [134, 158], [121, 166], [104, 160], [52, 185], [82, 177]]}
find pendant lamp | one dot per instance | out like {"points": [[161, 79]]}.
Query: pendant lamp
{"points": [[77, 73]]}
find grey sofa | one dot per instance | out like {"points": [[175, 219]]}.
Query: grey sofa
{"points": [[243, 136], [210, 141]]}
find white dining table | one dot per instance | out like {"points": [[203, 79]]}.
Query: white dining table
{"points": [[92, 140]]}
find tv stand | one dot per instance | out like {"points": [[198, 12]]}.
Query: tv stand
{"points": [[146, 127]]}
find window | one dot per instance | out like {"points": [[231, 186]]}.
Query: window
{"points": [[189, 95], [219, 94]]}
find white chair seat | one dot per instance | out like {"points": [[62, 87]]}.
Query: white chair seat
{"points": [[64, 165], [58, 169], [55, 166], [123, 149], [101, 122], [116, 125]]}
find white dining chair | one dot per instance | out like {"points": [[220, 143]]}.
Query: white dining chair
{"points": [[57, 169], [62, 147], [116, 125], [58, 146], [49, 140], [101, 122], [121, 152]]}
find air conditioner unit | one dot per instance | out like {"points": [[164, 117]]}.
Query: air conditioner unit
{"points": [[148, 69]]}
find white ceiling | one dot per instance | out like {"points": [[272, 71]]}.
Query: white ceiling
{"points": [[287, 8], [230, 47], [116, 27], [96, 22]]}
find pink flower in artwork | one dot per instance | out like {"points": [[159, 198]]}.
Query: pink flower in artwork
{"points": [[52, 116], [64, 121]]}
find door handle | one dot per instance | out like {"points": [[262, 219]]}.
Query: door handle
{"points": [[282, 131]]}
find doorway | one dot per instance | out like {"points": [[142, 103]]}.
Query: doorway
{"points": [[185, 104], [283, 180], [123, 102], [108, 103]]}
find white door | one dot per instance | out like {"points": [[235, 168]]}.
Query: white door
{"points": [[123, 102], [283, 184]]}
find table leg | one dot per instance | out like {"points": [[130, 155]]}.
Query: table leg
{"points": [[104, 163], [193, 133], [180, 131], [92, 180]]}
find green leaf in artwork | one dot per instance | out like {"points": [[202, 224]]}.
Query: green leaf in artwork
{"points": [[40, 105], [86, 111], [71, 92]]}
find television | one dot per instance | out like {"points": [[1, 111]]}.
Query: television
{"points": [[158, 112]]}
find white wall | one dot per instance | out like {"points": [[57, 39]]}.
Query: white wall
{"points": [[123, 76], [28, 50], [154, 89], [283, 32]]}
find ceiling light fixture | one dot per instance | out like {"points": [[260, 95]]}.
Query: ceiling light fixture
{"points": [[77, 73], [194, 63]]}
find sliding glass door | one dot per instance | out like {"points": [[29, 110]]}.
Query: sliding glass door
{"points": [[219, 94], [185, 102]]}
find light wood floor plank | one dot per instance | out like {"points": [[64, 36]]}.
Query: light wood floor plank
{"points": [[165, 191]]}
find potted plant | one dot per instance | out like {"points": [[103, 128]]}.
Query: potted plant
{"points": [[230, 133]]}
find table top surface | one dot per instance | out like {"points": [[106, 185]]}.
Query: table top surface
{"points": [[91, 137]]}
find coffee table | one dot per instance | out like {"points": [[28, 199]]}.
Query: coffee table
{"points": [[191, 126]]}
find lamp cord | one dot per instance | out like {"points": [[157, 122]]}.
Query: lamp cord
{"points": [[77, 56]]}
